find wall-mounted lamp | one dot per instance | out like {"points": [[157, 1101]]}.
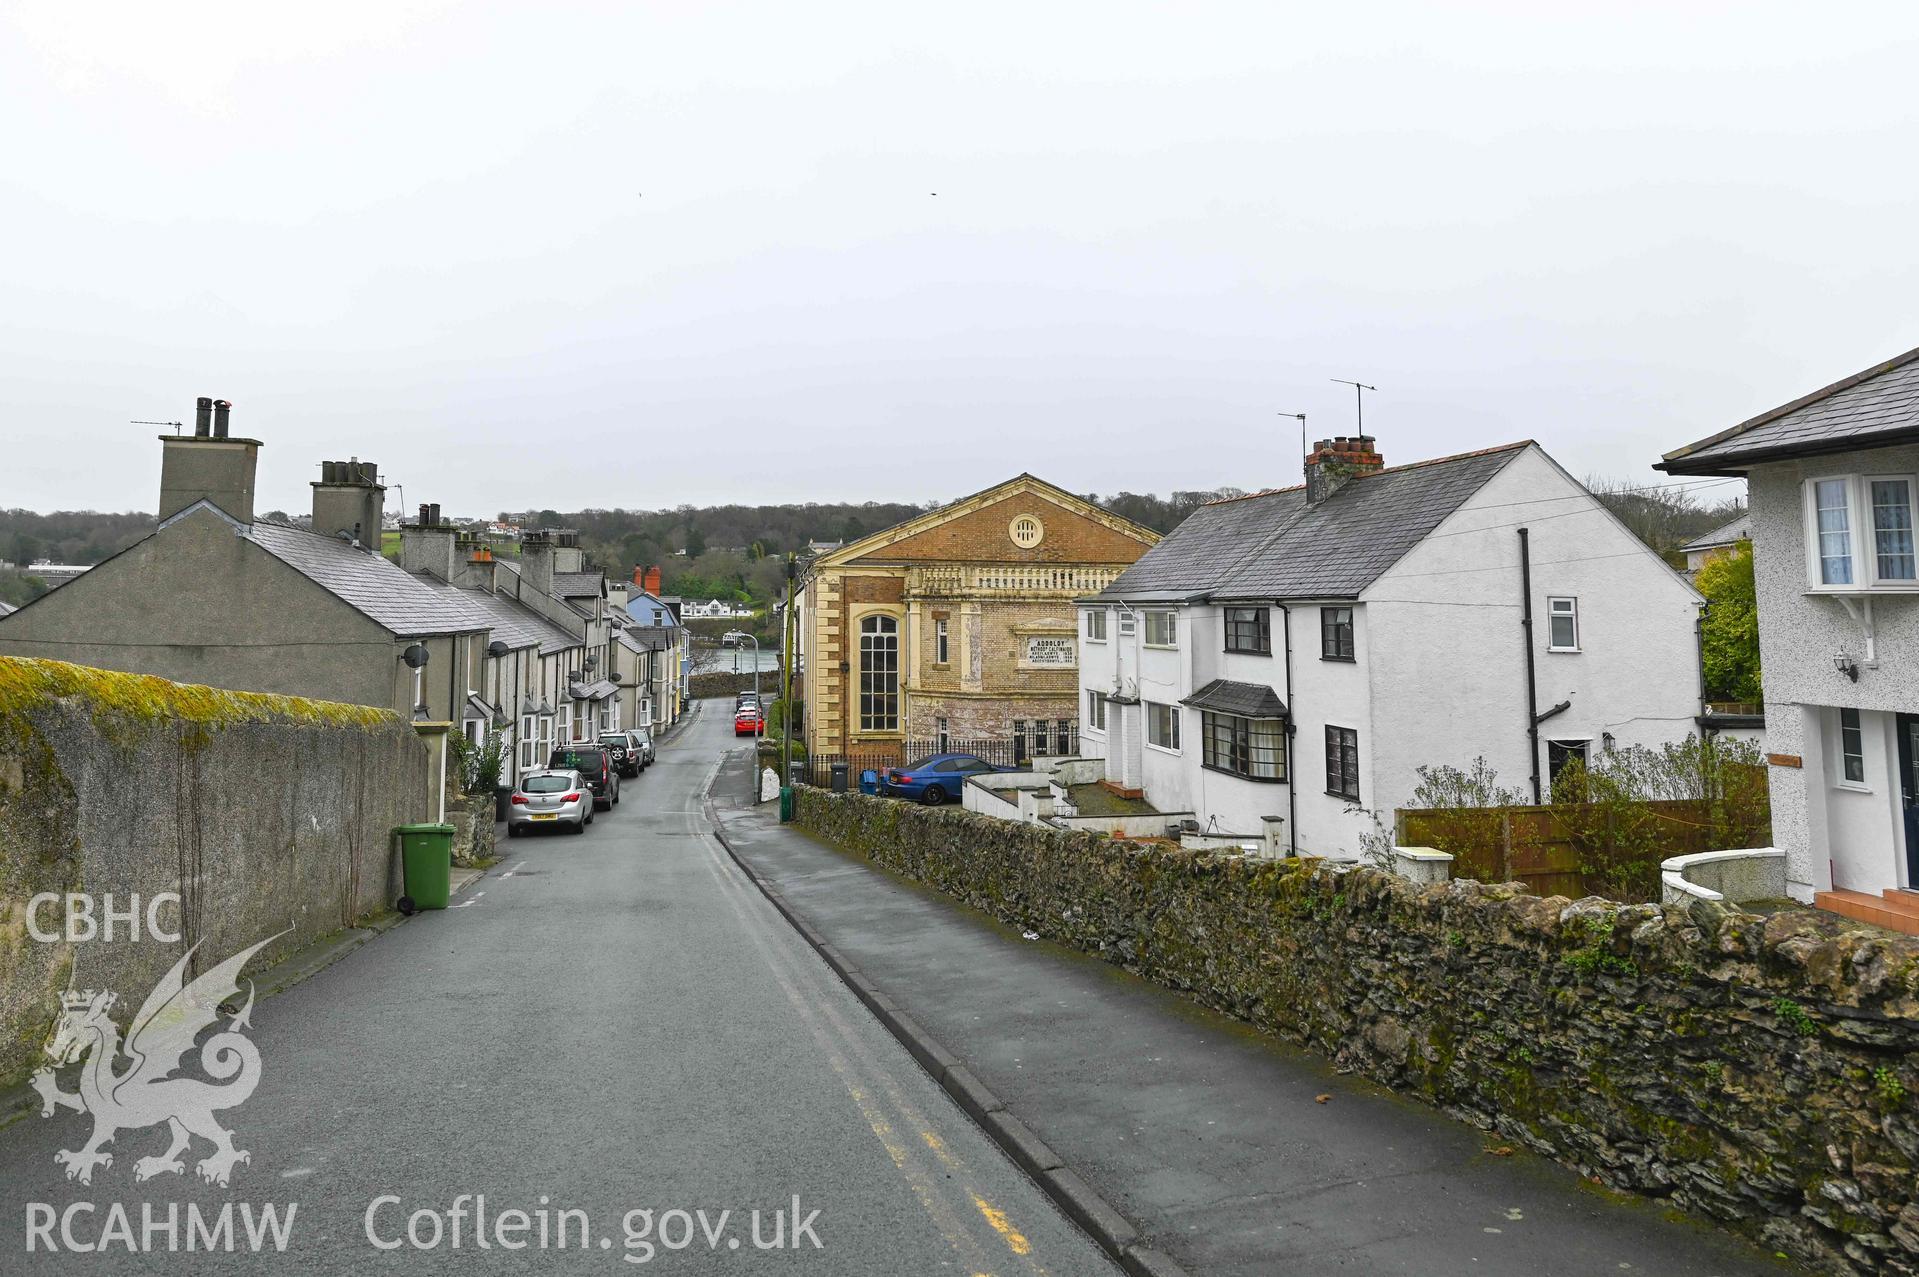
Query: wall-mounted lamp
{"points": [[1843, 662], [1606, 741]]}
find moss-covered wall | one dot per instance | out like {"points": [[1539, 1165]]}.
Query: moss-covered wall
{"points": [[265, 813], [1760, 1071]]}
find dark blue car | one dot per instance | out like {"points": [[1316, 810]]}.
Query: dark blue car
{"points": [[935, 779]]}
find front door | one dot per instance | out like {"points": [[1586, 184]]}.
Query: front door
{"points": [[1908, 727]]}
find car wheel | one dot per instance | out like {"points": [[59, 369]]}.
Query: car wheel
{"points": [[512, 831], [933, 796]]}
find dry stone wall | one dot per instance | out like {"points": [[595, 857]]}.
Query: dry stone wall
{"points": [[1762, 1071]]}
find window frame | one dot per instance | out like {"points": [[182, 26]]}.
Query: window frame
{"points": [[1151, 709], [1869, 529], [1171, 618], [1092, 615], [941, 641], [1237, 732], [1342, 743], [1128, 622], [1233, 629], [1861, 533], [885, 625], [1096, 706], [1329, 632], [1858, 730], [1553, 614]]}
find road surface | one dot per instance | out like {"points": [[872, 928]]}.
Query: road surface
{"points": [[610, 1023]]}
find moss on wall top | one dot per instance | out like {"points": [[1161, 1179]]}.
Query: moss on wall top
{"points": [[27, 685]]}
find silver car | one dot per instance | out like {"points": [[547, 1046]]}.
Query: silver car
{"points": [[555, 798]]}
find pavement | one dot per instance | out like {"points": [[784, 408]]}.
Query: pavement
{"points": [[612, 1023], [1212, 1140]]}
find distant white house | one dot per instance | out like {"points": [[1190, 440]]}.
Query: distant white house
{"points": [[713, 608], [1283, 663], [55, 573], [1834, 480]]}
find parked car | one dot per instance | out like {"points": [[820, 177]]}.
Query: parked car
{"points": [[748, 721], [933, 779], [644, 737], [746, 698], [595, 764], [561, 799], [630, 757]]}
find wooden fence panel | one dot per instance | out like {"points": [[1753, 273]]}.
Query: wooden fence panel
{"points": [[1569, 849]]}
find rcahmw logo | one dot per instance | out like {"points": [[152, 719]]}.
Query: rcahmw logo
{"points": [[144, 1092]]}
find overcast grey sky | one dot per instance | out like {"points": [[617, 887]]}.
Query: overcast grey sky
{"points": [[643, 254]]}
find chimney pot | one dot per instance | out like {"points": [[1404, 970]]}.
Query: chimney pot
{"points": [[220, 410], [203, 417]]}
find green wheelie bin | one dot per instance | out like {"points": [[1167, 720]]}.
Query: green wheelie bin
{"points": [[426, 855]]}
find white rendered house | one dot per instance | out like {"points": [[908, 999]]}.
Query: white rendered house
{"points": [[1296, 655], [1834, 480]]}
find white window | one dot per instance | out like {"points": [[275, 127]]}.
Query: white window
{"points": [[528, 743], [939, 641], [1162, 725], [1852, 750], [1860, 531], [1162, 629], [1892, 528], [1125, 622], [879, 674], [1562, 621], [1832, 523], [1096, 626], [1096, 711]]}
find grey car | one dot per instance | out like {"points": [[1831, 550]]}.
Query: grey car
{"points": [[555, 798], [632, 750]]}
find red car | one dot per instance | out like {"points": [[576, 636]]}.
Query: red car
{"points": [[748, 721]]}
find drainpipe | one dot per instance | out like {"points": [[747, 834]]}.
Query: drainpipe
{"points": [[1533, 717], [1292, 736]]}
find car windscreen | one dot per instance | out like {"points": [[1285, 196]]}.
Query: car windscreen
{"points": [[580, 760], [924, 762], [546, 784], [613, 742]]}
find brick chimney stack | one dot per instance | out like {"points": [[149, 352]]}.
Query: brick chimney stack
{"points": [[1335, 462], [650, 582]]}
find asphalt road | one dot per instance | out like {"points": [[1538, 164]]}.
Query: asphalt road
{"points": [[610, 1023], [1232, 1152]]}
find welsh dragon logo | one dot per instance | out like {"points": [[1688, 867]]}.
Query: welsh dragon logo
{"points": [[144, 1091]]}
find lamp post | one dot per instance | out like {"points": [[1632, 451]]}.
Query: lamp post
{"points": [[759, 706]]}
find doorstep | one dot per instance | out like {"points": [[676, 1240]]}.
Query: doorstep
{"points": [[1894, 910]]}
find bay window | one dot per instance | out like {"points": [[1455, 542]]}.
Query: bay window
{"points": [[1254, 748], [1860, 532]]}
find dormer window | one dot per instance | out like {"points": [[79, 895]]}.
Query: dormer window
{"points": [[1860, 533]]}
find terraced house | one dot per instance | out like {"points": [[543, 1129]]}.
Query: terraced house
{"points": [[1283, 663], [957, 628]]}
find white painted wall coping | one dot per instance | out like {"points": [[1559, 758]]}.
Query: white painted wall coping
{"points": [[1672, 871]]}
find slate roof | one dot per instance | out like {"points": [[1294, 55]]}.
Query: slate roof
{"points": [[1272, 545], [371, 584], [1248, 700], [598, 690], [578, 585], [512, 622], [1739, 529], [1870, 409], [657, 637]]}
